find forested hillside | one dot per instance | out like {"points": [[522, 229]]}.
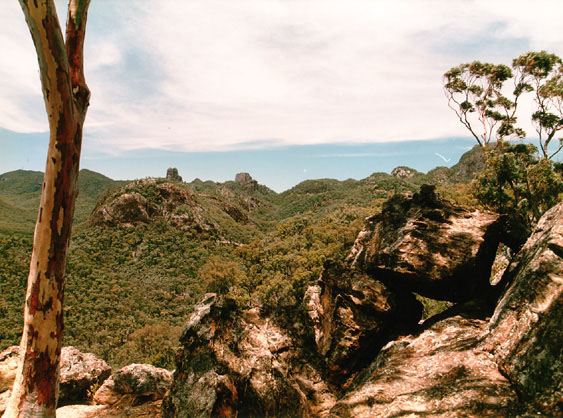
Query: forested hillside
{"points": [[143, 252]]}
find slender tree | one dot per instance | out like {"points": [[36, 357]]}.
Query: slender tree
{"points": [[542, 73], [474, 93], [66, 98]]}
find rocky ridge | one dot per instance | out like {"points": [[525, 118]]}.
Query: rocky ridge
{"points": [[145, 201], [359, 351], [526, 333]]}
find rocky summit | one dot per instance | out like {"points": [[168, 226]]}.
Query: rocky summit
{"points": [[291, 305], [423, 244], [361, 352]]}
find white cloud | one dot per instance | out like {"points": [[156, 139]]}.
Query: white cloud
{"points": [[217, 74]]}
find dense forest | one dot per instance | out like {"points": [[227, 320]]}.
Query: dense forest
{"points": [[144, 252], [131, 283]]}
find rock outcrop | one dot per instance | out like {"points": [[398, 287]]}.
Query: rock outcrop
{"points": [[442, 372], [4, 398], [352, 316], [144, 200], [149, 409], [134, 384], [527, 326], [8, 366], [404, 172], [172, 175], [360, 350], [242, 366], [426, 245], [243, 179], [126, 210], [79, 373]]}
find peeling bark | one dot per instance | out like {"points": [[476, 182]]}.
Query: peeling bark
{"points": [[66, 98]]}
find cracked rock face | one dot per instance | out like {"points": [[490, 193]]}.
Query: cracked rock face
{"points": [[425, 245], [246, 366], [352, 316], [442, 372], [79, 373], [526, 330]]}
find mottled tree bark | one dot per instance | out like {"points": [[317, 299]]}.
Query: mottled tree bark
{"points": [[66, 100]]}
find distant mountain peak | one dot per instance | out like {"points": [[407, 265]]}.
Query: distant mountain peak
{"points": [[172, 175], [243, 178]]}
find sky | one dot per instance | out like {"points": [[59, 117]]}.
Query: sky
{"points": [[265, 86]]}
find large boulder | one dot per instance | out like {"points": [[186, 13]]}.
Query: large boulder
{"points": [[423, 244], [353, 316], [135, 383], [442, 372], [242, 365], [526, 330], [79, 374], [8, 366]]}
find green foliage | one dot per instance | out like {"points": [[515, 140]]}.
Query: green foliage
{"points": [[15, 253], [542, 73], [516, 182], [20, 192], [219, 275], [286, 261], [153, 344], [431, 307], [474, 92], [130, 289]]}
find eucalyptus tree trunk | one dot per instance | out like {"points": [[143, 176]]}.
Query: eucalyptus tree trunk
{"points": [[66, 100]]}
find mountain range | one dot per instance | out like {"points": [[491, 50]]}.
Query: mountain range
{"points": [[143, 252]]}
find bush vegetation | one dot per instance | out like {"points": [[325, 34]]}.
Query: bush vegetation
{"points": [[131, 288]]}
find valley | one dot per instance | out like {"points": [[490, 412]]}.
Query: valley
{"points": [[133, 278]]}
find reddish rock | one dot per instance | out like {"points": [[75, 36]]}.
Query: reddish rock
{"points": [[79, 373], [4, 398], [426, 245], [244, 179], [526, 330], [149, 409]]}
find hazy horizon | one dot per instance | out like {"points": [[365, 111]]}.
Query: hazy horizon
{"points": [[278, 168]]}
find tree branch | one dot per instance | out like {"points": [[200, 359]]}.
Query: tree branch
{"points": [[75, 34], [41, 18]]}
